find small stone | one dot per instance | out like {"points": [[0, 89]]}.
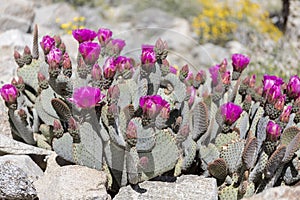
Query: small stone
{"points": [[24, 162], [14, 183], [71, 182], [185, 187]]}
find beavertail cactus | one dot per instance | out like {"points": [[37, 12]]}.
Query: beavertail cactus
{"points": [[139, 119]]}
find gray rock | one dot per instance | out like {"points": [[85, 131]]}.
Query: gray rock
{"points": [[10, 146], [25, 163], [71, 182], [14, 183], [185, 187], [278, 193], [208, 55], [10, 40], [46, 16], [16, 14]]}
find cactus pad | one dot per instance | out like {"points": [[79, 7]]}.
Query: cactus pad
{"points": [[218, 169], [232, 154]]}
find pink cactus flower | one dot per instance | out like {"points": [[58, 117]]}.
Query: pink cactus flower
{"points": [[86, 97], [90, 52], [148, 54], [84, 35], [273, 131], [9, 93], [109, 68], [230, 112], [47, 44], [104, 36], [152, 105], [293, 87], [123, 63], [55, 56], [239, 62]]}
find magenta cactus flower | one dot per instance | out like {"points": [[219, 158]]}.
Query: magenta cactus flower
{"points": [[239, 62], [84, 35], [293, 87], [104, 36], [55, 56], [47, 44], [269, 81], [90, 52], [152, 105], [274, 93], [273, 131], [230, 112], [214, 73], [86, 97], [123, 63], [9, 93], [109, 68], [148, 54], [117, 45]]}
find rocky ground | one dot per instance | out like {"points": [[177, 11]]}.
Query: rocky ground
{"points": [[46, 177]]}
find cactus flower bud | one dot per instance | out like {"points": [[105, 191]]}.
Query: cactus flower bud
{"points": [[14, 82], [67, 64], [57, 40], [84, 35], [9, 93], [90, 52], [152, 105], [115, 46], [62, 47], [189, 80], [47, 44], [143, 162], [285, 115], [273, 131], [57, 125], [223, 66], [279, 104], [230, 112], [239, 62], [104, 36], [226, 78], [131, 132], [73, 126], [113, 92], [270, 81], [86, 97], [191, 91], [27, 50], [184, 72], [41, 77], [200, 79], [293, 87], [17, 55], [96, 72], [214, 73], [252, 81], [109, 68], [148, 55]]}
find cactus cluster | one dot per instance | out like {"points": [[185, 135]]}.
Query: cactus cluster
{"points": [[140, 119]]}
